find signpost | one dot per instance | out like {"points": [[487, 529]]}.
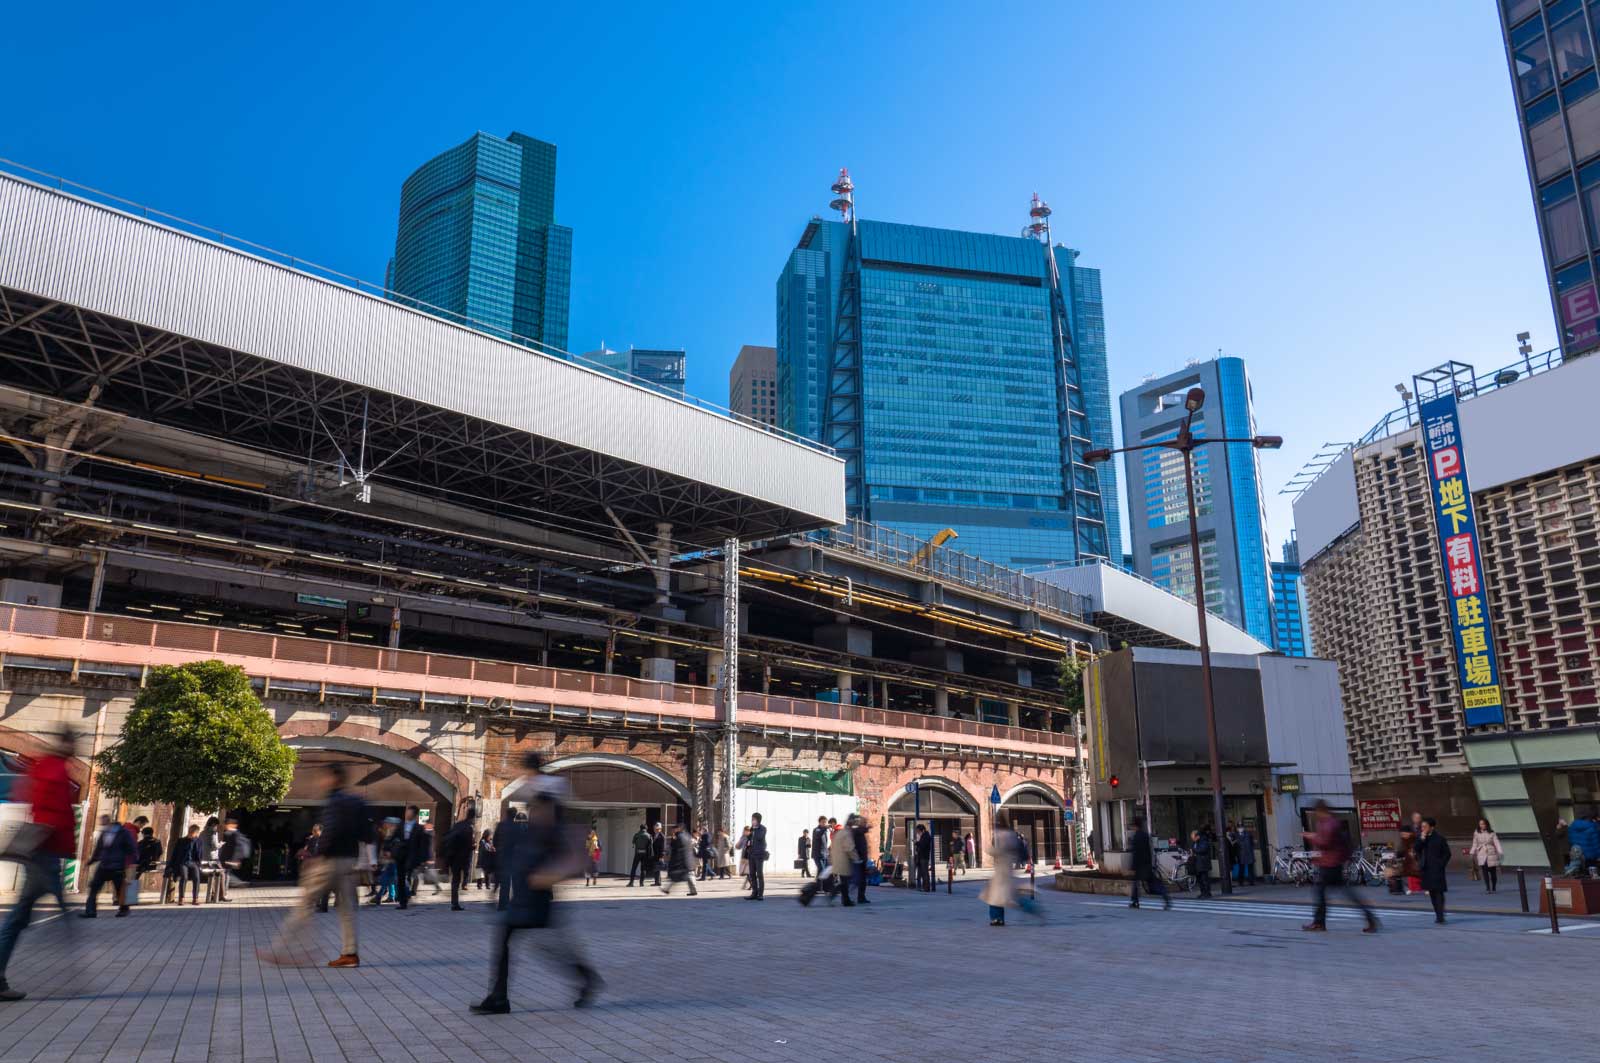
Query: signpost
{"points": [[1379, 814]]}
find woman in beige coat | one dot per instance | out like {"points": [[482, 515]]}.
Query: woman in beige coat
{"points": [[1486, 852], [1001, 892]]}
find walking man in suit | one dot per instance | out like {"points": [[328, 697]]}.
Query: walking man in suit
{"points": [[819, 845], [755, 851], [411, 850], [924, 859]]}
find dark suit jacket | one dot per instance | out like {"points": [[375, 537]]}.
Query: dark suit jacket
{"points": [[756, 847], [414, 850], [925, 849], [1143, 858], [1433, 853], [819, 844]]}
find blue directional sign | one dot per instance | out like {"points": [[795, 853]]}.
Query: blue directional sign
{"points": [[994, 796]]}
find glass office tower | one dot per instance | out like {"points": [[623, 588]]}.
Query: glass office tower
{"points": [[1291, 634], [1551, 53], [968, 403], [477, 239], [665, 370], [1227, 489]]}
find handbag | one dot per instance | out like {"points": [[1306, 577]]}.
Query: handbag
{"points": [[799, 864]]}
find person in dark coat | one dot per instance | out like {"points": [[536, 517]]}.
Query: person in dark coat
{"points": [[819, 844], [924, 859], [858, 833], [680, 861], [411, 849], [1433, 855], [704, 853], [502, 832], [755, 851], [1144, 866], [113, 855], [486, 855], [1200, 852], [658, 851], [456, 851], [642, 845], [533, 857], [183, 863]]}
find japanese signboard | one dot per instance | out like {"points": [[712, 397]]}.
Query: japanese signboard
{"points": [[1466, 595], [1379, 814]]}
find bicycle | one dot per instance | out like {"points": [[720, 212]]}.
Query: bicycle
{"points": [[1369, 866], [1293, 865], [1173, 867]]}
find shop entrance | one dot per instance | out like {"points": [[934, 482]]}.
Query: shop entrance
{"points": [[615, 799], [1034, 813], [946, 814]]}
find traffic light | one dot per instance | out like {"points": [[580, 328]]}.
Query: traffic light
{"points": [[1115, 782]]}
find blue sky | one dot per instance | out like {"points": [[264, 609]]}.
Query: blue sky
{"points": [[1335, 192]]}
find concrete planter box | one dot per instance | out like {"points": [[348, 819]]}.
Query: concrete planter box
{"points": [[1111, 887]]}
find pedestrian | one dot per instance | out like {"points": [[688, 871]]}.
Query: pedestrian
{"points": [[591, 849], [704, 853], [183, 864], [47, 789], [1433, 856], [842, 861], [149, 851], [332, 869], [113, 855], [211, 855], [1247, 856], [427, 868], [819, 846], [1331, 842], [744, 858], [1486, 853], [1001, 892], [1144, 867], [409, 848], [486, 860], [923, 859], [456, 850], [1583, 834], [755, 854], [385, 890], [502, 832], [232, 850], [970, 850], [1200, 856], [658, 851], [535, 857], [641, 853], [680, 861], [722, 848], [802, 854], [858, 868], [310, 849]]}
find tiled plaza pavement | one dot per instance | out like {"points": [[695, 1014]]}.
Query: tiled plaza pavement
{"points": [[717, 978]]}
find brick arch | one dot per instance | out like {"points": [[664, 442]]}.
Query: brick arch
{"points": [[33, 746], [977, 803], [311, 730]]}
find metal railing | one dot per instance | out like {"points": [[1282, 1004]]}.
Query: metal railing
{"points": [[18, 171], [1403, 418], [402, 668], [878, 543]]}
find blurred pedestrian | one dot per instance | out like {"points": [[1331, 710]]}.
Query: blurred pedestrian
{"points": [[755, 852], [535, 857], [658, 851], [1433, 856], [1486, 853], [705, 854], [970, 848], [332, 869], [1200, 854], [47, 790], [1001, 892], [456, 851], [680, 861], [802, 853], [858, 869], [722, 851], [112, 857], [922, 849], [233, 850], [744, 858], [1246, 862], [1144, 867], [409, 847], [486, 860], [149, 851], [1583, 834], [1331, 842]]}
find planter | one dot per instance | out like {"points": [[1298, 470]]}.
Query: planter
{"points": [[1110, 887]]}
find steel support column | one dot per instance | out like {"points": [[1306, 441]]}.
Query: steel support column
{"points": [[728, 684]]}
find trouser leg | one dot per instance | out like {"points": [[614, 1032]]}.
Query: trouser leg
{"points": [[1319, 918], [1437, 897], [456, 875], [344, 889], [34, 885], [502, 964], [1133, 895], [402, 883]]}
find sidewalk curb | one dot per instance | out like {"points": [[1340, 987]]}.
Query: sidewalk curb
{"points": [[1454, 909]]}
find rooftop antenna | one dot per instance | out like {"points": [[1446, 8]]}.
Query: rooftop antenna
{"points": [[844, 196], [1039, 227]]}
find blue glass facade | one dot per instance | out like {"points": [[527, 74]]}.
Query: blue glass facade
{"points": [[960, 421], [664, 370], [1088, 319], [1227, 488], [477, 238], [1289, 619]]}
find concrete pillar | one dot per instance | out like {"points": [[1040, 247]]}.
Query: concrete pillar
{"points": [[714, 659], [658, 670], [1013, 714], [941, 701], [394, 627], [842, 681], [98, 586], [883, 694]]}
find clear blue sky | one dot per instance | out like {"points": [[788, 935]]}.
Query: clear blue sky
{"points": [[1335, 192]]}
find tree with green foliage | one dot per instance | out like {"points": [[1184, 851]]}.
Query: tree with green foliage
{"points": [[198, 737]]}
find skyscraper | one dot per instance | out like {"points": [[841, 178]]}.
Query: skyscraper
{"points": [[947, 369], [1227, 489], [1290, 632], [477, 239], [753, 384], [1551, 53], [662, 369]]}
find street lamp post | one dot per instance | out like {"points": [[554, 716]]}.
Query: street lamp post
{"points": [[1186, 444]]}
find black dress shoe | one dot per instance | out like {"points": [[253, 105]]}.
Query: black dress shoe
{"points": [[457, 908], [490, 1006]]}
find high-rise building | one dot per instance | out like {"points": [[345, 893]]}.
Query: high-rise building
{"points": [[478, 241], [662, 369], [1452, 568], [1289, 629], [960, 375], [753, 384], [1551, 53], [1227, 492]]}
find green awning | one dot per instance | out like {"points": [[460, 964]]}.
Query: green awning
{"points": [[799, 781]]}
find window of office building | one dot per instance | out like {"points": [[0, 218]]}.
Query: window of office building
{"points": [[1531, 54], [1563, 220], [1569, 39]]}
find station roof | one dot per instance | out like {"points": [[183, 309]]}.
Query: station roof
{"points": [[161, 324]]}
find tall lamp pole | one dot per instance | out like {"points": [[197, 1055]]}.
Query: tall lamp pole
{"points": [[1186, 444]]}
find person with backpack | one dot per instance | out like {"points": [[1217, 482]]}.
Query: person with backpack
{"points": [[642, 847], [1331, 840]]}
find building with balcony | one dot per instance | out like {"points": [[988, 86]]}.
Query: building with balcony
{"points": [[1470, 684]]}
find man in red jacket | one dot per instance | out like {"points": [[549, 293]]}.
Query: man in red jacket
{"points": [[48, 788]]}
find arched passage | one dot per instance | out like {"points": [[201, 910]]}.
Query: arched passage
{"points": [[1033, 810], [943, 806], [616, 794]]}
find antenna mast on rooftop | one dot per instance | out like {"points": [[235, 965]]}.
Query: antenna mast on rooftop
{"points": [[844, 196]]}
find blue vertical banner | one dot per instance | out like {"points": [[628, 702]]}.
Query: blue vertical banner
{"points": [[1468, 596]]}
